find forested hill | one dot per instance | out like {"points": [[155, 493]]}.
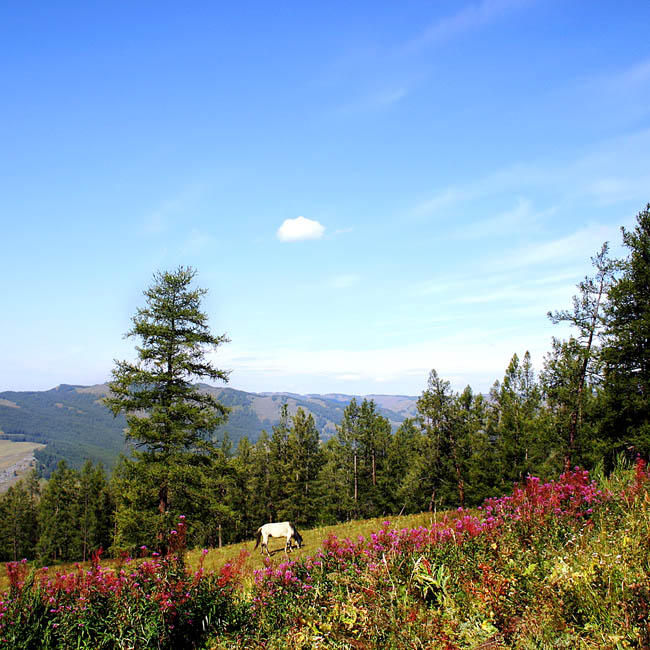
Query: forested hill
{"points": [[74, 424]]}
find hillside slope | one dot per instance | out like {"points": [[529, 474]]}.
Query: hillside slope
{"points": [[73, 424]]}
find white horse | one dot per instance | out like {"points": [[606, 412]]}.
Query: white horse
{"points": [[281, 529]]}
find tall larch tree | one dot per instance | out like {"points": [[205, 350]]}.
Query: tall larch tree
{"points": [[170, 421]]}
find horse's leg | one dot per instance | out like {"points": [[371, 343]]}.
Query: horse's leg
{"points": [[265, 544]]}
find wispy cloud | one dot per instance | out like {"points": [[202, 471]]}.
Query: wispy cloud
{"points": [[581, 244], [299, 229], [475, 356], [470, 17], [343, 281], [517, 177], [520, 218], [161, 217], [196, 242], [611, 171], [371, 101], [631, 79]]}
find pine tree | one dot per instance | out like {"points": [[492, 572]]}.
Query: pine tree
{"points": [[244, 499], [626, 353], [18, 510], [262, 507], [476, 451], [348, 456], [215, 521], [570, 410], [305, 460], [403, 455], [60, 538], [95, 511], [374, 439], [278, 467], [577, 361], [441, 471], [516, 405], [170, 421], [336, 496]]}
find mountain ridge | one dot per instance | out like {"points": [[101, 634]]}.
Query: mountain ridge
{"points": [[74, 425]]}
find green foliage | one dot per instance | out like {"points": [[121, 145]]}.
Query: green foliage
{"points": [[150, 604], [626, 415], [19, 512], [516, 422], [169, 419], [75, 514], [356, 480], [573, 367], [561, 564], [454, 448]]}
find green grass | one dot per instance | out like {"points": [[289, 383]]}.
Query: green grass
{"points": [[312, 540]]}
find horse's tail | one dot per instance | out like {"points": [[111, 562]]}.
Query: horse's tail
{"points": [[258, 537]]}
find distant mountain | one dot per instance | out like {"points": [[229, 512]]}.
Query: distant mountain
{"points": [[74, 425]]}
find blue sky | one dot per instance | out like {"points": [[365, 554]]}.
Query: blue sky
{"points": [[368, 190]]}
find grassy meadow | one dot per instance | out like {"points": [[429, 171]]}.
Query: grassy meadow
{"points": [[313, 538], [11, 455], [215, 558], [564, 564]]}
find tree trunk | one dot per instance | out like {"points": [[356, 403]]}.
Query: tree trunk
{"points": [[432, 500]]}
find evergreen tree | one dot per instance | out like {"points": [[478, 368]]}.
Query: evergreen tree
{"points": [[573, 364], [569, 410], [18, 510], [440, 471], [95, 510], [347, 452], [516, 405], [244, 499], [626, 421], [215, 520], [403, 455], [475, 449], [305, 460], [262, 508], [170, 421], [374, 434], [60, 538], [336, 496], [361, 448], [279, 468]]}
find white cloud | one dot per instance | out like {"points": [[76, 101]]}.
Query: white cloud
{"points": [[299, 229]]}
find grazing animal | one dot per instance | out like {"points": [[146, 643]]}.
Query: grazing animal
{"points": [[281, 529]]}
